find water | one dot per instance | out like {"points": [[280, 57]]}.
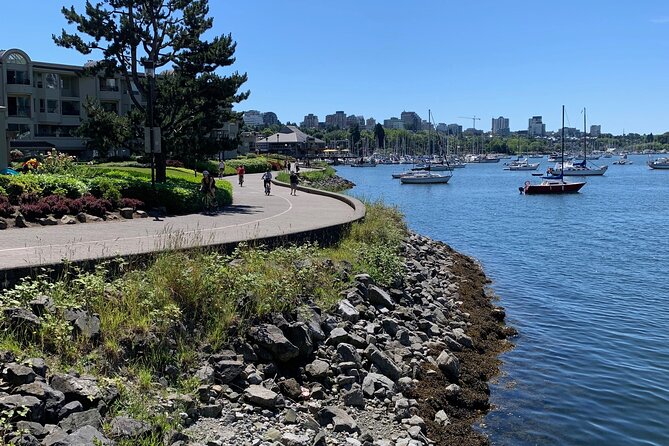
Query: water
{"points": [[584, 280]]}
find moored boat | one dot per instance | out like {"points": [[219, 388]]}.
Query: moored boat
{"points": [[659, 163], [425, 177]]}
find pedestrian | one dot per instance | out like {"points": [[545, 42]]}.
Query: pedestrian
{"points": [[240, 173], [293, 183]]}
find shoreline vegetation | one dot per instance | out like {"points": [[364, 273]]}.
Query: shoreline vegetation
{"points": [[387, 338]]}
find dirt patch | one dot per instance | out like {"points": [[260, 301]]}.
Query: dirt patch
{"points": [[477, 366]]}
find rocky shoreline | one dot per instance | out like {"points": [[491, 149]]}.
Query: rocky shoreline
{"points": [[404, 366]]}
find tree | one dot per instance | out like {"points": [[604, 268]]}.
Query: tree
{"points": [[379, 135], [193, 100], [104, 130], [355, 135]]}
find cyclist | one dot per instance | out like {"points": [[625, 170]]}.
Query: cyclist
{"points": [[208, 189], [267, 181], [240, 173]]}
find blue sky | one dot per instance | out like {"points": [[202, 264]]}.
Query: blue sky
{"points": [[458, 58]]}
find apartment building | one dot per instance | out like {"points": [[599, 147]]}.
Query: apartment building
{"points": [[44, 101], [536, 127], [310, 121], [500, 126]]}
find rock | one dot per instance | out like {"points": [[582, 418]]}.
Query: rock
{"points": [[354, 396], [21, 319], [272, 339], [141, 214], [380, 297], [42, 305], [339, 335], [290, 439], [84, 389], [299, 335], [462, 338], [211, 410], [383, 362], [23, 439], [390, 326], [88, 435], [69, 409], [348, 353], [318, 369], [126, 213], [263, 397], [78, 420], [312, 318], [449, 365], [290, 417], [47, 221], [87, 325], [348, 311], [453, 390], [20, 221], [34, 406], [52, 399], [341, 421], [441, 418], [3, 224], [17, 374], [68, 220], [32, 428], [227, 370], [375, 381], [81, 217], [126, 428], [291, 388], [205, 374]]}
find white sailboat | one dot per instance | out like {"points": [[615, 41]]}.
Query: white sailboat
{"points": [[427, 176], [582, 169]]}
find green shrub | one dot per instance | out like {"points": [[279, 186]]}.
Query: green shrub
{"points": [[107, 188], [17, 185], [54, 184], [251, 165], [3, 192]]}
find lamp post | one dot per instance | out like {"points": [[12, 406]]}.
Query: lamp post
{"points": [[150, 71]]}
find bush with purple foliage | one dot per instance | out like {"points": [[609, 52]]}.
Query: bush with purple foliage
{"points": [[131, 203], [33, 211], [6, 208]]}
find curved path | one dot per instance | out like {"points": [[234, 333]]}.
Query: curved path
{"points": [[253, 215]]}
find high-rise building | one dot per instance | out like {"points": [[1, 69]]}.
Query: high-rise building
{"points": [[454, 129], [411, 120], [393, 123], [310, 121], [370, 124], [500, 126], [338, 120], [595, 131], [253, 118], [536, 127]]}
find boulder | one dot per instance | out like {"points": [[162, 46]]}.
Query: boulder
{"points": [[48, 221], [380, 297], [441, 418], [354, 396], [68, 220], [81, 217], [376, 381], [16, 374], [20, 221], [78, 420], [85, 324], [449, 365], [312, 319], [290, 439], [52, 399], [339, 335], [32, 428], [318, 369], [348, 311], [462, 338], [211, 410], [205, 374], [34, 406], [3, 224], [21, 319], [263, 397], [227, 370], [271, 338], [291, 388], [84, 389], [126, 213], [298, 334], [70, 408], [348, 353], [340, 420], [41, 305], [383, 363], [126, 428], [88, 435]]}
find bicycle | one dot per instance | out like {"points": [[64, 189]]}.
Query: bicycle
{"points": [[268, 187], [209, 202]]}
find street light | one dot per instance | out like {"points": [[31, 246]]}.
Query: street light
{"points": [[150, 72]]}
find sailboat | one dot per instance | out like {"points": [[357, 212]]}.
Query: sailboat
{"points": [[426, 176], [554, 184], [521, 164], [582, 168]]}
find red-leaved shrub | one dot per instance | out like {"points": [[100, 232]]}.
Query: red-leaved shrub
{"points": [[94, 206], [6, 208], [58, 205], [174, 163], [29, 198], [34, 211], [131, 203]]}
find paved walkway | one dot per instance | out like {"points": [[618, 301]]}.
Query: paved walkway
{"points": [[253, 215]]}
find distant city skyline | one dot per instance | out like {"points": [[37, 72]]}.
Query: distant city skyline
{"points": [[484, 59]]}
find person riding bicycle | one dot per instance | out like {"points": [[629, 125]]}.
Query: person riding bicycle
{"points": [[267, 180], [208, 189], [240, 173]]}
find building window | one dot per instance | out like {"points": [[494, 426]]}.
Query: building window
{"points": [[18, 106], [16, 59], [71, 108], [19, 129], [110, 106], [51, 81], [51, 106], [17, 77], [69, 86], [56, 130], [108, 84]]}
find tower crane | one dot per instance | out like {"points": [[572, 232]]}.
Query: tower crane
{"points": [[473, 118]]}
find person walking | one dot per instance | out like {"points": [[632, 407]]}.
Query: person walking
{"points": [[293, 183], [208, 190], [221, 168]]}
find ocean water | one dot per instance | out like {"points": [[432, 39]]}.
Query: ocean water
{"points": [[584, 279]]}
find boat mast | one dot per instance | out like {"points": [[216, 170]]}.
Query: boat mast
{"points": [[585, 148], [562, 164]]}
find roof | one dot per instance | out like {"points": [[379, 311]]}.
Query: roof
{"points": [[24, 144]]}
